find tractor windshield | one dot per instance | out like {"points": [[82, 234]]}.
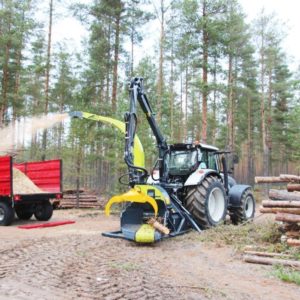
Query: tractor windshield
{"points": [[182, 162]]}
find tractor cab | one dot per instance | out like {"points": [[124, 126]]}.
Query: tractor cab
{"points": [[184, 159]]}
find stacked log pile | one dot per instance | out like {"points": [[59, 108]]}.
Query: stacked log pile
{"points": [[84, 199], [285, 204]]}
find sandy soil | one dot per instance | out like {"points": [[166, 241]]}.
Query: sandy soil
{"points": [[76, 262]]}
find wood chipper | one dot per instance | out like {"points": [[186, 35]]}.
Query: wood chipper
{"points": [[188, 188]]}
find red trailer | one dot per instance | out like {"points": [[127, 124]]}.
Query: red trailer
{"points": [[46, 175]]}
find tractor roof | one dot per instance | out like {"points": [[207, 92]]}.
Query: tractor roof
{"points": [[209, 147], [183, 146]]}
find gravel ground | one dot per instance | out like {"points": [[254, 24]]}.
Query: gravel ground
{"points": [[76, 262]]}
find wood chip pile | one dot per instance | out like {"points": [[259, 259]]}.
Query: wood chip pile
{"points": [[86, 200], [285, 204], [22, 185]]}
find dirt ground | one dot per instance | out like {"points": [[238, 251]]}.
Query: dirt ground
{"points": [[76, 262]]}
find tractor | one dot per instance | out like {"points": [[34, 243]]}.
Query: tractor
{"points": [[188, 188]]}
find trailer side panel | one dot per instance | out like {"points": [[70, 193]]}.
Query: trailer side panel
{"points": [[47, 175], [6, 176]]}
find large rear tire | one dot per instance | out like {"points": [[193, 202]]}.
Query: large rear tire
{"points": [[246, 209], [24, 213], [43, 211], [7, 214], [207, 202]]}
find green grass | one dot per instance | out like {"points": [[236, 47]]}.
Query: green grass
{"points": [[266, 235], [287, 275]]}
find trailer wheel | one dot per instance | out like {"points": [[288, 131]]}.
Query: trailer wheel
{"points": [[43, 211], [207, 202], [7, 214], [24, 213], [246, 209]]}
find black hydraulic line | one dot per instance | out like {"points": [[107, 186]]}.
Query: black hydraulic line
{"points": [[136, 174], [137, 95], [160, 140], [225, 171]]}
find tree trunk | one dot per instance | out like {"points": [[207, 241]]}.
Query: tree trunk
{"points": [[214, 104], [267, 254], [271, 261], [205, 41], [48, 62], [230, 104], [292, 234], [293, 242], [283, 195], [262, 111], [250, 169], [172, 96], [274, 210], [78, 173], [47, 78], [160, 82], [186, 103], [271, 203], [285, 217], [5, 78], [288, 178], [108, 65], [269, 121], [116, 63], [292, 187], [132, 49], [269, 179]]}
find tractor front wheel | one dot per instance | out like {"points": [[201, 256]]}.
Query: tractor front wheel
{"points": [[207, 202], [246, 209]]}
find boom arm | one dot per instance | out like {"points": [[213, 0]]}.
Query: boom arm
{"points": [[137, 95], [139, 158]]}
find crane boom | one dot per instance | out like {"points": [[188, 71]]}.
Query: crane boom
{"points": [[137, 95]]}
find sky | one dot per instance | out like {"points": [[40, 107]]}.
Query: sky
{"points": [[70, 30], [287, 12]]}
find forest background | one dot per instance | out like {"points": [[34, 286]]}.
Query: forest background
{"points": [[211, 77]]}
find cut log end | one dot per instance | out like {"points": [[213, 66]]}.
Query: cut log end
{"points": [[160, 227]]}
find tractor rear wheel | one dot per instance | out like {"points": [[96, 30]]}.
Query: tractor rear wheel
{"points": [[246, 209], [207, 202]]}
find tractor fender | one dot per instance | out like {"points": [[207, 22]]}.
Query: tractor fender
{"points": [[199, 175], [231, 181], [235, 194]]}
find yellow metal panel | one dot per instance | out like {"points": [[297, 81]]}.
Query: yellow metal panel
{"points": [[133, 195], [138, 151], [160, 194], [145, 234]]}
